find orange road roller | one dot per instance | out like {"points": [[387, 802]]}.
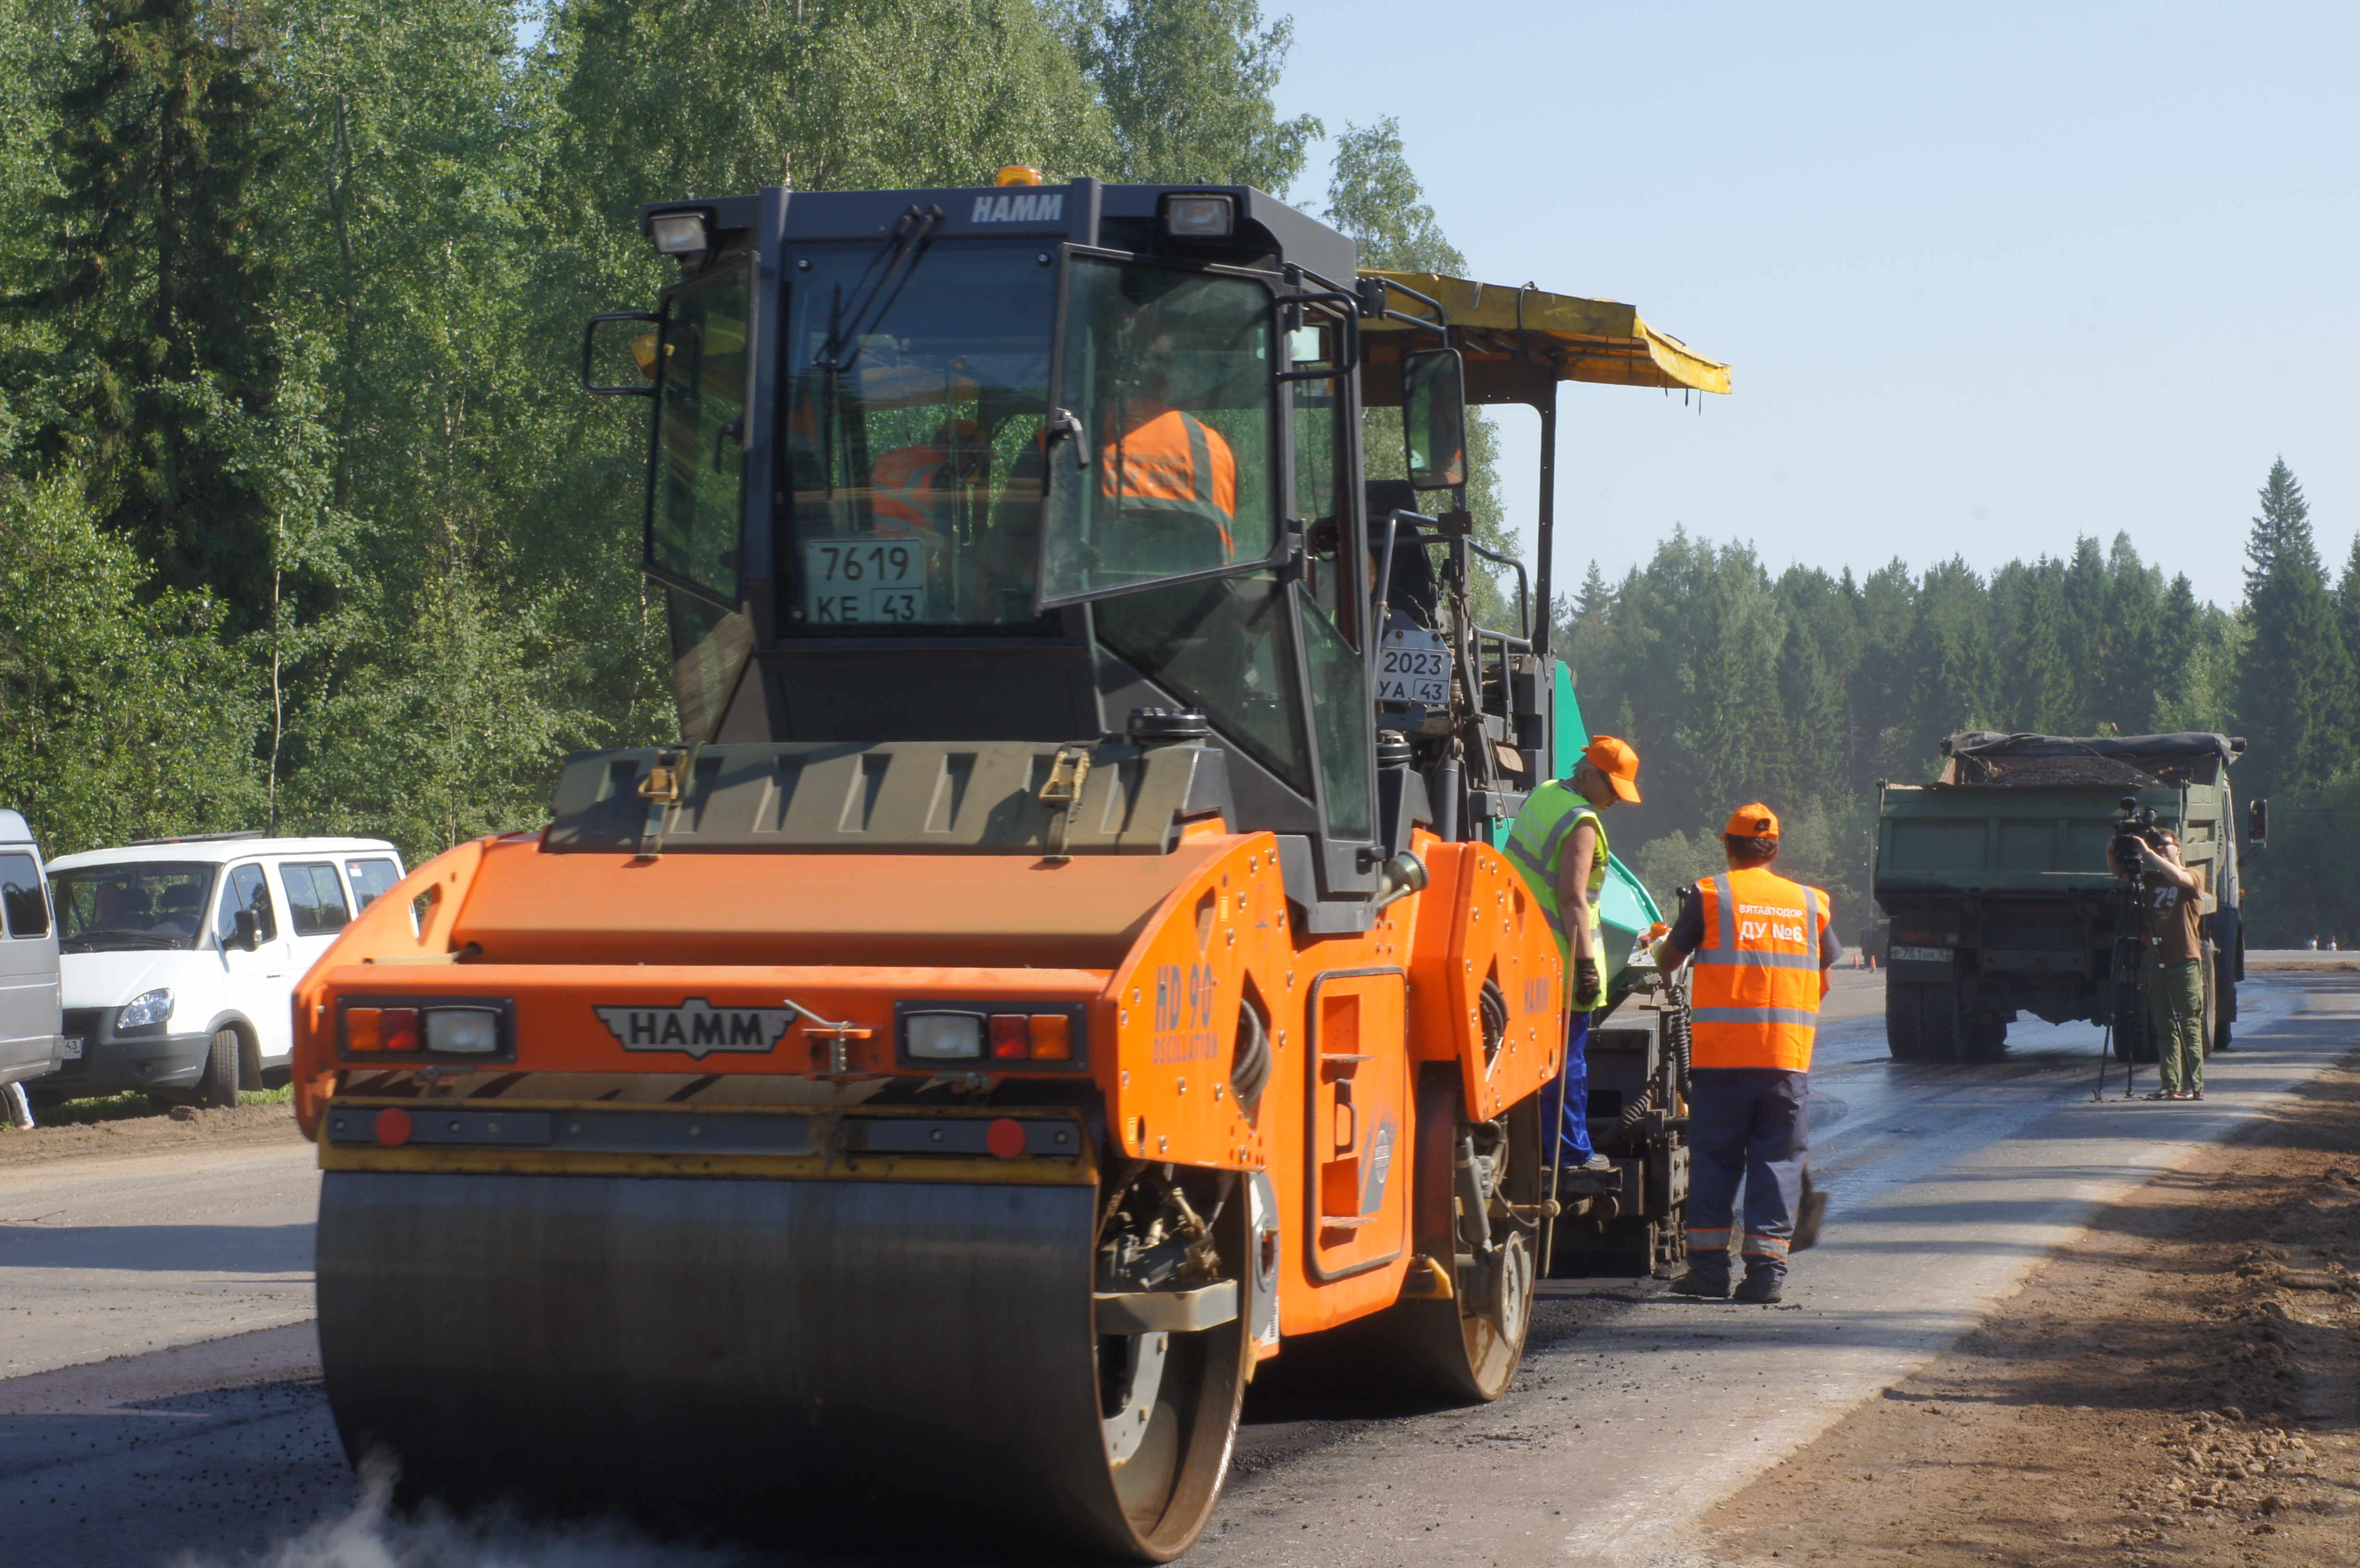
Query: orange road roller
{"points": [[1066, 958]]}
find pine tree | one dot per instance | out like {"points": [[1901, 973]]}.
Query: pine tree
{"points": [[2038, 687], [2293, 680], [163, 148], [2081, 636], [1954, 674], [2347, 613], [2179, 640], [2131, 678]]}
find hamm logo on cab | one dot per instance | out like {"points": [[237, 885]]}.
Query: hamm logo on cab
{"points": [[696, 1027], [1028, 208]]}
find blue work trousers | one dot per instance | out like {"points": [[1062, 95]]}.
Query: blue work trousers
{"points": [[1566, 1102], [1750, 1125]]}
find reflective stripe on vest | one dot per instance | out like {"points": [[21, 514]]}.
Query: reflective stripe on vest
{"points": [[1543, 828], [1754, 999], [1174, 464]]}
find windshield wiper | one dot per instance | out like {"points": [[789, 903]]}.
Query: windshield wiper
{"points": [[89, 941], [846, 328]]}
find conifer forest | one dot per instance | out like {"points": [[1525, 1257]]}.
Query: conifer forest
{"points": [[306, 525]]}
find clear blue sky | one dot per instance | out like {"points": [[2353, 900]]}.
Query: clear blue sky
{"points": [[1990, 277]]}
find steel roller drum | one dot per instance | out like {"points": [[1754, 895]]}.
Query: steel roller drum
{"points": [[726, 1357]]}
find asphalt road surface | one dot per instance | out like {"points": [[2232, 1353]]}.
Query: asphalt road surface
{"points": [[1635, 1411]]}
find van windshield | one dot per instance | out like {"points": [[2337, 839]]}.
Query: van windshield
{"points": [[137, 904]]}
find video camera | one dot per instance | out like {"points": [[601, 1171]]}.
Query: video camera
{"points": [[2133, 828]]}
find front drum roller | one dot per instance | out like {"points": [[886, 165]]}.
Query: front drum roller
{"points": [[739, 1357]]}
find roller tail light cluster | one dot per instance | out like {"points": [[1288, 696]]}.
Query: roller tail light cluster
{"points": [[997, 1033], [473, 1027]]}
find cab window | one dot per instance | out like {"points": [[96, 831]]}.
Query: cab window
{"points": [[247, 889], [916, 410], [693, 508], [1221, 645], [1169, 470], [1339, 722], [370, 878], [315, 898]]}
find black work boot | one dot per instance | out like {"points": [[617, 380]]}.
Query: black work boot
{"points": [[1763, 1286], [1712, 1287]]}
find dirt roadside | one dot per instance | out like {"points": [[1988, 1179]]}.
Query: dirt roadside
{"points": [[2183, 1388], [229, 1127]]}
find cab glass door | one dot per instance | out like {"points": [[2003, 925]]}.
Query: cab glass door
{"points": [[1163, 455], [693, 503]]}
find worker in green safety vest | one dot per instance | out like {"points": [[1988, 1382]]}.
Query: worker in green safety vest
{"points": [[1560, 846]]}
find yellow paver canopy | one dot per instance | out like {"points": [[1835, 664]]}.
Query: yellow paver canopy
{"points": [[1587, 339]]}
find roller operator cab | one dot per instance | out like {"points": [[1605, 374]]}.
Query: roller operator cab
{"points": [[1065, 958]]}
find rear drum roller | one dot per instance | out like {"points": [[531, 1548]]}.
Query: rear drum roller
{"points": [[746, 1358], [1468, 1347]]}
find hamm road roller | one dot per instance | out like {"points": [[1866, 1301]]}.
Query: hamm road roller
{"points": [[1064, 957]]}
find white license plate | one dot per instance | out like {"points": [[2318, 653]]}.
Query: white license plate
{"points": [[854, 583], [1414, 667], [1921, 955], [73, 1048]]}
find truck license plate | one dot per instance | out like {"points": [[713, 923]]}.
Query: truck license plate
{"points": [[1921, 955], [863, 582], [1413, 665], [73, 1048]]}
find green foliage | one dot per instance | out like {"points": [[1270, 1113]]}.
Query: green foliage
{"points": [[1373, 196], [1804, 689], [164, 270], [2294, 682], [1188, 85], [124, 712]]}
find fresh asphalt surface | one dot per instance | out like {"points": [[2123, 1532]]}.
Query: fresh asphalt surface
{"points": [[205, 1438]]}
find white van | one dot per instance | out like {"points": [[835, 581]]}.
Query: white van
{"points": [[180, 956], [29, 1031]]}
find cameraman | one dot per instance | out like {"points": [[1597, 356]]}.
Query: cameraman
{"points": [[2173, 896]]}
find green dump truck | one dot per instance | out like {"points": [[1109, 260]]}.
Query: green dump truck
{"points": [[1996, 879]]}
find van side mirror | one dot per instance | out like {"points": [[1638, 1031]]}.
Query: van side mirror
{"points": [[2257, 823], [1434, 419], [249, 932]]}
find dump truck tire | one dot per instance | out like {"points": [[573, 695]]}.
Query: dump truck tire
{"points": [[1904, 1036]]}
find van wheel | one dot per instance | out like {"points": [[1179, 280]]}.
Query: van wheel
{"points": [[218, 1087]]}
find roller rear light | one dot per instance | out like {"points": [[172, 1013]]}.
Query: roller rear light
{"points": [[1049, 1033], [379, 1028]]}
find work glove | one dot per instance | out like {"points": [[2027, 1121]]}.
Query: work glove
{"points": [[1585, 976]]}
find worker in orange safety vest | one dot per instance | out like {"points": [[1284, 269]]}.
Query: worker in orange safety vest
{"points": [[1167, 467], [1763, 947]]}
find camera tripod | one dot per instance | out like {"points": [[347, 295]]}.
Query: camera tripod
{"points": [[2127, 984]]}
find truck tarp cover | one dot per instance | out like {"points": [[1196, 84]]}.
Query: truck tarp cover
{"points": [[1985, 756]]}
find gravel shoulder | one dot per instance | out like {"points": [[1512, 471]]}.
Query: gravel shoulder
{"points": [[2182, 1386], [230, 1127]]}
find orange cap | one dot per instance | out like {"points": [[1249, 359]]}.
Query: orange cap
{"points": [[1615, 760], [1754, 819]]}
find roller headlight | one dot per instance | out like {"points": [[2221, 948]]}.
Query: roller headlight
{"points": [[146, 1010]]}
